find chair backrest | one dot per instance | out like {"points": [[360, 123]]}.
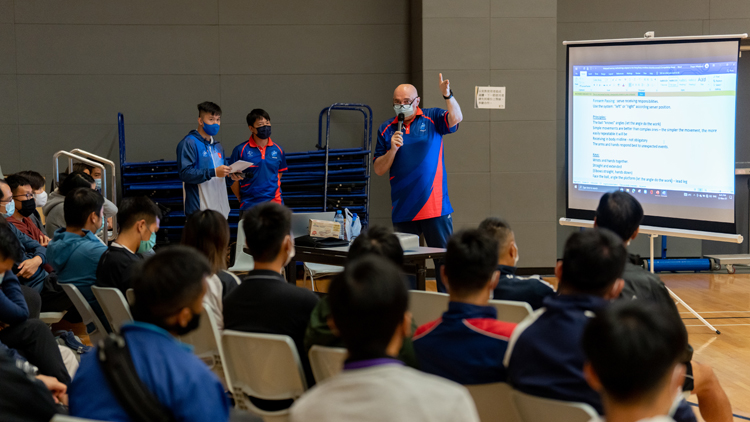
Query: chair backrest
{"points": [[113, 303], [87, 314], [242, 260], [494, 402], [511, 311], [427, 306], [206, 342], [265, 366], [66, 418], [326, 361], [130, 296], [538, 409]]}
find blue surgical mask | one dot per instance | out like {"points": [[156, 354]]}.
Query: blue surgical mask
{"points": [[104, 221], [147, 245], [10, 209], [264, 132], [98, 184], [407, 109], [211, 130]]}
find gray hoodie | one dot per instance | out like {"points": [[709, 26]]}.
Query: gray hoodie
{"points": [[54, 212]]}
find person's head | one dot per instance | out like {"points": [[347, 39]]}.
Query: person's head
{"points": [[369, 304], [259, 123], [169, 289], [96, 174], [84, 209], [506, 240], [10, 248], [592, 264], [621, 213], [406, 100], [470, 268], [209, 117], [633, 350], [140, 216], [23, 196], [37, 181], [82, 168], [268, 228], [74, 181], [7, 205], [208, 232], [377, 240]]}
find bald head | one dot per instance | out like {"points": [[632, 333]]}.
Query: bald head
{"points": [[405, 91]]}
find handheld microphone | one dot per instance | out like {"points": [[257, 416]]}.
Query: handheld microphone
{"points": [[400, 121]]}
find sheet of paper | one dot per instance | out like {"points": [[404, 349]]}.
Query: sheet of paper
{"points": [[489, 97], [240, 166]]}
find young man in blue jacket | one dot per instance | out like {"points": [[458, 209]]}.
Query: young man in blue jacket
{"points": [[201, 164]]}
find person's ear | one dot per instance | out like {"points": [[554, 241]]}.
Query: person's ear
{"points": [[591, 378], [332, 326], [638, 230], [184, 317], [615, 290], [495, 280], [445, 279], [417, 102], [558, 270]]}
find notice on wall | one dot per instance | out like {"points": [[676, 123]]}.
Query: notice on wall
{"points": [[489, 97]]}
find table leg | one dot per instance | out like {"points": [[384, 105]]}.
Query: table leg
{"points": [[421, 275], [291, 272]]}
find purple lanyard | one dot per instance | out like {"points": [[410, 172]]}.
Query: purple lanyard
{"points": [[369, 363]]}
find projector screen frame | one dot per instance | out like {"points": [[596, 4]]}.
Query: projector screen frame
{"points": [[649, 220]]}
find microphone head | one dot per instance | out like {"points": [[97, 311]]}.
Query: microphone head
{"points": [[400, 117]]}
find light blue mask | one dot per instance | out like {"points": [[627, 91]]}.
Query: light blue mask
{"points": [[104, 221], [147, 245], [98, 184], [211, 130], [10, 209], [407, 109]]}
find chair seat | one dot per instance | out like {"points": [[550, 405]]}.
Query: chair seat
{"points": [[323, 269], [51, 317]]}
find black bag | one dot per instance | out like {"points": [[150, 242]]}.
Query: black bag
{"points": [[319, 242], [132, 394]]}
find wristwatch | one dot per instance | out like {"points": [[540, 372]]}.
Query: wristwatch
{"points": [[450, 96]]}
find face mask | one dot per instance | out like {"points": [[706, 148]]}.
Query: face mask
{"points": [[290, 255], [40, 199], [102, 226], [27, 207], [147, 245], [98, 184], [407, 109], [211, 130], [191, 325], [515, 264], [264, 132], [10, 208]]}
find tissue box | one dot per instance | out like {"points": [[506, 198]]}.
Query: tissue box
{"points": [[323, 228], [409, 242]]}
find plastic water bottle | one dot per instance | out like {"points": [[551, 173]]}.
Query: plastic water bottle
{"points": [[339, 218], [356, 226]]}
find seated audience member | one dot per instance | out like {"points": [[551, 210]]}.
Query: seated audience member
{"points": [[208, 232], [376, 240], [39, 189], [169, 289], [138, 220], [621, 213], [265, 302], [31, 338], [369, 302], [26, 396], [25, 206], [531, 290], [633, 352], [467, 343], [545, 357], [75, 250], [54, 209]]}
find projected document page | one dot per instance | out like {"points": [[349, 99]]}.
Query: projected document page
{"points": [[662, 130]]}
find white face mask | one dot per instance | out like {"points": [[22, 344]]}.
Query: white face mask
{"points": [[407, 109], [40, 199], [515, 263], [290, 255]]}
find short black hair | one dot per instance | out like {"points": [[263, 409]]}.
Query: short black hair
{"points": [[74, 181], [470, 261], [82, 167], [256, 114], [619, 212], [266, 225], [10, 246], [209, 108], [499, 229], [35, 179], [15, 181], [368, 301], [592, 261], [377, 240], [170, 280], [632, 345], [79, 205], [134, 209]]}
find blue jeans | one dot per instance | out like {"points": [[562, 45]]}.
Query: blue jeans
{"points": [[436, 233]]}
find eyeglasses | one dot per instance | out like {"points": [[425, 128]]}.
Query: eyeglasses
{"points": [[27, 196], [408, 102], [3, 201]]}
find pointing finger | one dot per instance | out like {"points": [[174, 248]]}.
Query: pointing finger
{"points": [[441, 78]]}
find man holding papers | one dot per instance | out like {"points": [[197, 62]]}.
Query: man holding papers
{"points": [[262, 182]]}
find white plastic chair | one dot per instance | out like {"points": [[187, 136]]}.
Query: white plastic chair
{"points": [[494, 402], [50, 318], [265, 366], [114, 305], [427, 306], [326, 361], [87, 314], [130, 296], [206, 342], [511, 311], [538, 409], [66, 418], [319, 270], [242, 260]]}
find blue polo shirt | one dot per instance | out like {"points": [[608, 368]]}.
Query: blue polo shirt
{"points": [[170, 371], [262, 182], [419, 186]]}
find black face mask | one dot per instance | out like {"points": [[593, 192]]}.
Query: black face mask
{"points": [[27, 207], [191, 326], [264, 132]]}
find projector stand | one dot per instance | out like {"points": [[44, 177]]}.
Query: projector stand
{"points": [[651, 238]]}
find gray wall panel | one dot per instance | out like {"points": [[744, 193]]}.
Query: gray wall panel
{"points": [[7, 49], [467, 151], [522, 146], [462, 83], [447, 41], [162, 12], [527, 94], [631, 11], [524, 8], [313, 12], [457, 9], [9, 105], [536, 247], [11, 155], [524, 196], [729, 9], [6, 11], [470, 196], [729, 26], [525, 43]]}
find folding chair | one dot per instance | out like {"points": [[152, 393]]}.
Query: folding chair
{"points": [[511, 311], [130, 296], [427, 306], [242, 260], [326, 361], [113, 303], [206, 342], [265, 366], [87, 314], [50, 318], [494, 402], [319, 270], [538, 409], [66, 418]]}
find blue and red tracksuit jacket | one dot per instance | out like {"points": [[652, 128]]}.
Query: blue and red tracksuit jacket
{"points": [[466, 345]]}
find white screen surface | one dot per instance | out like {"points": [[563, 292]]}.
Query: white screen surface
{"points": [[656, 120]]}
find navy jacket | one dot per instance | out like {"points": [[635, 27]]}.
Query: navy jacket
{"points": [[13, 309], [31, 249], [466, 345], [196, 164], [531, 290]]}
